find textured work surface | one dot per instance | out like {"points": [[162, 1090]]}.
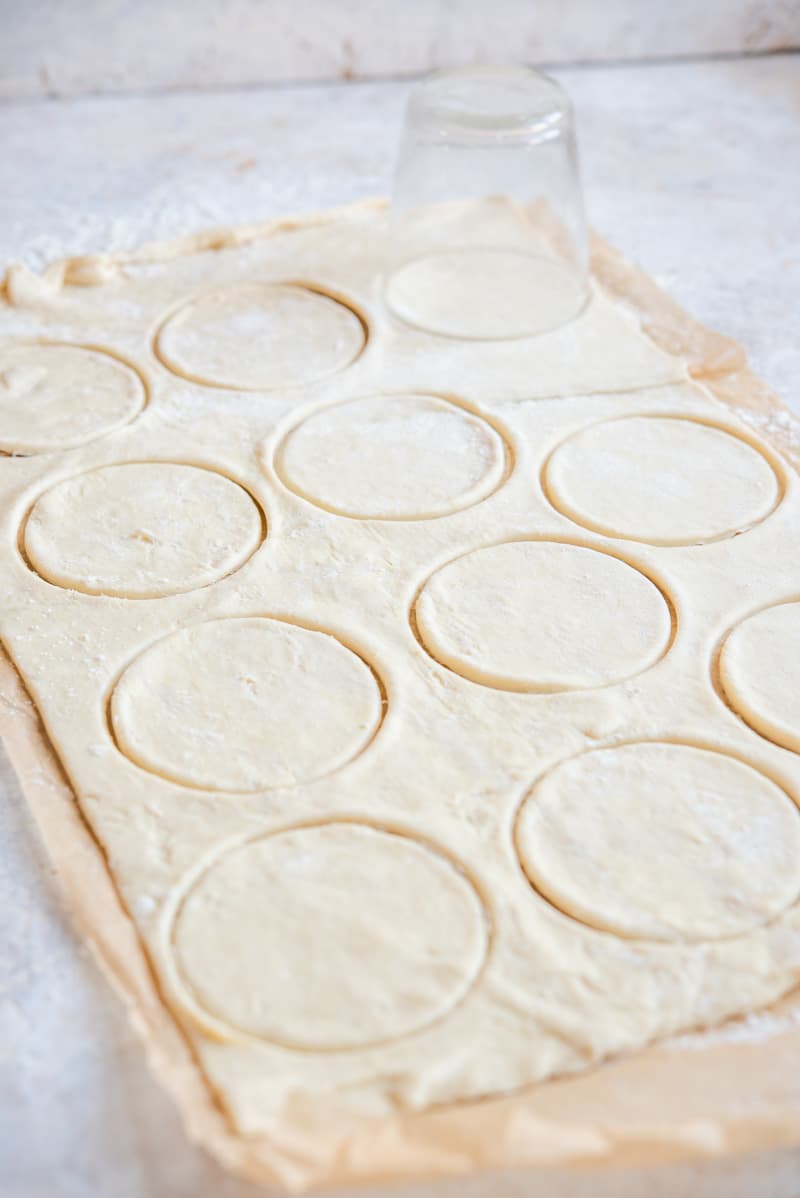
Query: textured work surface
{"points": [[141, 1122], [46, 49]]}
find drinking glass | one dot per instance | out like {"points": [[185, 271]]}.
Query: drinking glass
{"points": [[487, 233]]}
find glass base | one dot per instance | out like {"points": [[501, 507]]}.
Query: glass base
{"points": [[486, 294]]}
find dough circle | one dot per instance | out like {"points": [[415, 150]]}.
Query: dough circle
{"points": [[760, 673], [485, 294], [392, 457], [245, 704], [56, 396], [142, 529], [542, 616], [346, 935], [661, 479], [661, 841], [259, 336]]}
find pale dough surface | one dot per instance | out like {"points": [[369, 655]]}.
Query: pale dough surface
{"points": [[760, 671], [542, 616], [260, 336], [141, 529], [393, 457], [531, 992], [661, 480], [309, 911], [669, 841], [501, 293], [56, 396], [245, 704]]}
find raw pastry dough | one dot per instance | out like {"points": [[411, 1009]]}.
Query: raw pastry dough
{"points": [[245, 704], [542, 616], [392, 457], [141, 529], [669, 481], [760, 672], [56, 396], [261, 335], [501, 293], [667, 841], [413, 679], [329, 954]]}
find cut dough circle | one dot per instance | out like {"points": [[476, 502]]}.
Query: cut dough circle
{"points": [[661, 479], [392, 457], [661, 841], [142, 529], [346, 935], [543, 616], [57, 396], [760, 673], [245, 704], [486, 294], [260, 336]]}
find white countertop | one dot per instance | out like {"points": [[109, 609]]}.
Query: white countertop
{"points": [[50, 48], [692, 169]]}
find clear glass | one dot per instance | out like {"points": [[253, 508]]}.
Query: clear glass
{"points": [[487, 233]]}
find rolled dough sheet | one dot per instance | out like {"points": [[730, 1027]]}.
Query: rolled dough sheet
{"points": [[361, 937]]}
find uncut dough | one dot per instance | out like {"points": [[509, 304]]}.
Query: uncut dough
{"points": [[542, 616], [57, 396], [331, 953], [142, 529], [260, 336], [760, 673], [245, 704], [665, 841], [392, 457], [663, 480]]}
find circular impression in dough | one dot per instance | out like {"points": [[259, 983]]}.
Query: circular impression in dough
{"points": [[760, 673], [133, 530], [661, 479], [346, 936], [260, 336], [543, 616], [481, 293], [661, 841], [392, 457], [245, 704], [56, 396]]}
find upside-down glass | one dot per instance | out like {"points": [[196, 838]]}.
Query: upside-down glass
{"points": [[487, 234]]}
